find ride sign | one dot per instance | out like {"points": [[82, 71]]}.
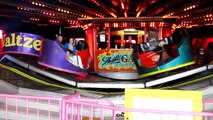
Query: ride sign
{"points": [[24, 43], [115, 60]]}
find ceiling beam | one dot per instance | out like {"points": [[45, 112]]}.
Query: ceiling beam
{"points": [[104, 7], [32, 17], [124, 6], [143, 5], [130, 19], [184, 9], [82, 8], [48, 7], [161, 8]]}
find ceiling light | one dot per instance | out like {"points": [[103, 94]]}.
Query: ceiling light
{"points": [[130, 29], [122, 5], [125, 14]]}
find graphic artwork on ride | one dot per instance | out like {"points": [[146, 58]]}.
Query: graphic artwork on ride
{"points": [[22, 42], [116, 60]]}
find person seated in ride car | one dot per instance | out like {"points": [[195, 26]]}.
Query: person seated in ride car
{"points": [[161, 56], [60, 38], [71, 48], [71, 55]]}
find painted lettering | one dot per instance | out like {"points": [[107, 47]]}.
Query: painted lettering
{"points": [[126, 58], [7, 42], [37, 45], [116, 60], [110, 60], [18, 40], [28, 42], [13, 40]]}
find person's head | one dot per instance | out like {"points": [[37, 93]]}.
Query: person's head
{"points": [[161, 43], [155, 58], [129, 38], [60, 38], [72, 41]]}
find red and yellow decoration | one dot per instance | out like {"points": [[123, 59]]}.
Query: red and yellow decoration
{"points": [[115, 60]]}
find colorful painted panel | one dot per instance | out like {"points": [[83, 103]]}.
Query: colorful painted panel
{"points": [[115, 60], [24, 43]]}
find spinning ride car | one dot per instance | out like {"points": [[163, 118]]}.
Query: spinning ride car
{"points": [[163, 55]]}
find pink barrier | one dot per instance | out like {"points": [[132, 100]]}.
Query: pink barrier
{"points": [[22, 105], [74, 107]]}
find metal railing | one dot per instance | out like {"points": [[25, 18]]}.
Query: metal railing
{"points": [[28, 105], [76, 108]]}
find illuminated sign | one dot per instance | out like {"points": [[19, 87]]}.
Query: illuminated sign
{"points": [[102, 38], [115, 60], [22, 43]]}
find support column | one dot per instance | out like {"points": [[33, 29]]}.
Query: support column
{"points": [[160, 32], [91, 40], [122, 39], [140, 35], [145, 34], [108, 38]]}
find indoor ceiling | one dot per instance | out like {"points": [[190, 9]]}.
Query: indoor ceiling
{"points": [[66, 13]]}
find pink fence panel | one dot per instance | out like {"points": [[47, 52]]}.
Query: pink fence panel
{"points": [[18, 107], [73, 107], [92, 109], [77, 108]]}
